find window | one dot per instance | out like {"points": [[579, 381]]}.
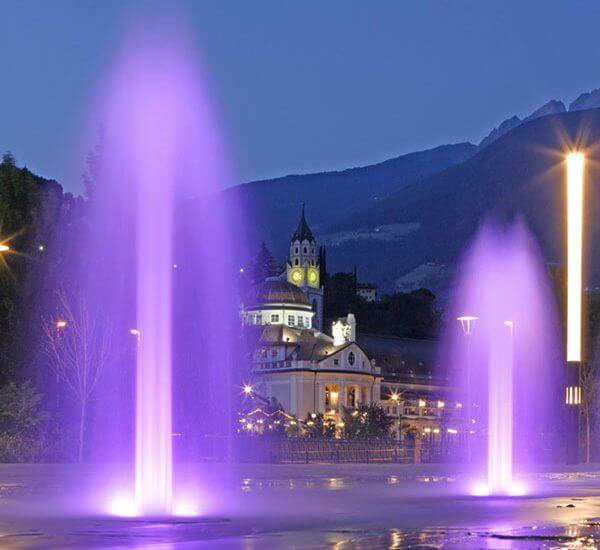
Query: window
{"points": [[273, 353], [296, 262], [331, 397], [274, 318], [351, 396], [351, 358], [291, 320], [305, 250], [296, 250], [258, 320], [336, 361], [308, 322]]}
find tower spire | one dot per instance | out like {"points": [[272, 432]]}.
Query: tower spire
{"points": [[303, 232]]}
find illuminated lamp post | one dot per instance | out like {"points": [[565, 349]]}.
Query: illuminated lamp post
{"points": [[575, 202], [466, 323]]}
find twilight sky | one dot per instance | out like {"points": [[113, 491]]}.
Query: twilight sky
{"points": [[304, 86]]}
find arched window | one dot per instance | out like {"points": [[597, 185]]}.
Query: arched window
{"points": [[305, 250], [296, 262], [296, 250], [351, 358]]}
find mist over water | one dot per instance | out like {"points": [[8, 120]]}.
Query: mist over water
{"points": [[510, 362], [158, 269]]}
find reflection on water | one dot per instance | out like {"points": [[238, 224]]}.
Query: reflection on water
{"points": [[335, 483]]}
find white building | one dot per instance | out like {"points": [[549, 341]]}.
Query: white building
{"points": [[293, 361], [367, 291]]}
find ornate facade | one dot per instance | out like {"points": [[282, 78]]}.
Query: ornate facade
{"points": [[294, 362]]}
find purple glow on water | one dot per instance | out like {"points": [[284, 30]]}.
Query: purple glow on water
{"points": [[509, 360]]}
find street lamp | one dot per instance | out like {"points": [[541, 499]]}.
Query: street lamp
{"points": [[247, 389], [466, 323], [60, 324], [4, 247], [575, 204]]}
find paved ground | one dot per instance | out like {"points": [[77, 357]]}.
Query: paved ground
{"points": [[315, 506]]}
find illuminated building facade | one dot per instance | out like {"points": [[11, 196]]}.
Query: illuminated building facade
{"points": [[294, 363]]}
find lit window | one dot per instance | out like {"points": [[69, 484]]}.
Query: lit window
{"points": [[291, 320]]}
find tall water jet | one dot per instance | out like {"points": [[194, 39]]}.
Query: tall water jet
{"points": [[506, 365], [500, 410], [159, 257]]}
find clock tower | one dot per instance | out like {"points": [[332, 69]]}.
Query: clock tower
{"points": [[303, 268]]}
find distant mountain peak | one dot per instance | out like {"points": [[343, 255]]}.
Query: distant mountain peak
{"points": [[504, 128], [552, 107], [587, 100]]}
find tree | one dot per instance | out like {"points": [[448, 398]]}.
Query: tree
{"points": [[590, 384], [264, 265], [318, 427], [21, 417], [366, 422], [353, 423], [77, 345], [93, 163]]}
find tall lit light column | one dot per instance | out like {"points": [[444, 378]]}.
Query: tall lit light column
{"points": [[575, 168], [575, 202]]}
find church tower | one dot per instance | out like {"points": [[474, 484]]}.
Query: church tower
{"points": [[303, 268]]}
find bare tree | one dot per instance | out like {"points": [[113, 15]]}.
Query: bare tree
{"points": [[77, 345], [590, 386]]}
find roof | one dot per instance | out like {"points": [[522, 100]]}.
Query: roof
{"points": [[310, 345], [276, 291], [408, 359], [305, 344], [303, 232]]}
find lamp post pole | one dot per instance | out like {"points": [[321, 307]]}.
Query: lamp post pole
{"points": [[466, 323], [575, 202]]}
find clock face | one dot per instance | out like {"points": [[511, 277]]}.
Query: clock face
{"points": [[313, 276], [296, 276]]}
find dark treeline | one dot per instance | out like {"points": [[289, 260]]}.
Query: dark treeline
{"points": [[40, 224]]}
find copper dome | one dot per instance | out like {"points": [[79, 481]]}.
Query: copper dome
{"points": [[276, 292]]}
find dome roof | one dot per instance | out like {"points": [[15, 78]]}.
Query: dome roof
{"points": [[277, 292]]}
